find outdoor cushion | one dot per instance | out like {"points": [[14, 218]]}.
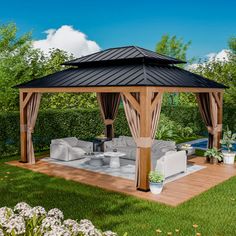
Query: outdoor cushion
{"points": [[127, 145], [68, 149], [69, 141], [130, 141], [120, 142], [77, 150]]}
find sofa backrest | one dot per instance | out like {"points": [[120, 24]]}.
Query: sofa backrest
{"points": [[164, 144], [71, 141], [128, 141]]}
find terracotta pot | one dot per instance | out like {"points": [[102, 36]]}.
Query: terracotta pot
{"points": [[214, 161], [208, 159]]}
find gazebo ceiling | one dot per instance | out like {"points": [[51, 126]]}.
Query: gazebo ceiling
{"points": [[125, 66]]}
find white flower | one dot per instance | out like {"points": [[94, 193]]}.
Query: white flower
{"points": [[56, 213], [39, 211], [109, 233], [16, 224], [21, 206], [48, 223], [5, 214], [87, 228], [70, 223], [58, 231], [6, 211], [27, 213]]}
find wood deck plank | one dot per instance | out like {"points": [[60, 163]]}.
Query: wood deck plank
{"points": [[174, 193]]}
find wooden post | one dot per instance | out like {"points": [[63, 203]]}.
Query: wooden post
{"points": [[220, 117], [23, 122], [145, 132], [24, 99]]}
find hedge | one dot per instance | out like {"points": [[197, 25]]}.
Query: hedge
{"points": [[86, 124]]}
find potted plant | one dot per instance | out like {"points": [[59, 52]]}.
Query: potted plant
{"points": [[156, 182], [228, 140], [214, 155]]}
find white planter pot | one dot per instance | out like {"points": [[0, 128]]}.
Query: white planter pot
{"points": [[156, 188], [228, 157]]}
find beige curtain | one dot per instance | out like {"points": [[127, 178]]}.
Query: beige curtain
{"points": [[32, 112], [156, 114], [209, 111], [133, 118], [109, 105]]}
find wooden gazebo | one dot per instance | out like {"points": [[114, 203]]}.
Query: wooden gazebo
{"points": [[137, 76]]}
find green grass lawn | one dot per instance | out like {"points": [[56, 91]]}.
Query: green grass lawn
{"points": [[214, 211]]}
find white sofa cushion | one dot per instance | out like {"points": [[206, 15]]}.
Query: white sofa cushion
{"points": [[72, 141], [68, 149], [172, 163], [83, 144], [129, 141], [119, 142], [77, 150]]}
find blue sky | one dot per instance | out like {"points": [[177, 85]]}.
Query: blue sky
{"points": [[207, 23]]}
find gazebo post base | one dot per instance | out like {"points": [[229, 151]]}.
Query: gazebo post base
{"points": [[144, 169]]}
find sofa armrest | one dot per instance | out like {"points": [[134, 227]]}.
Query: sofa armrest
{"points": [[108, 144], [59, 151], [59, 142]]}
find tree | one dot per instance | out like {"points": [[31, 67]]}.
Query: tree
{"points": [[232, 44], [64, 100], [177, 48], [173, 47], [20, 62], [222, 72]]}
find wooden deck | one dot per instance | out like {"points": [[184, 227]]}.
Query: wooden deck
{"points": [[174, 193]]}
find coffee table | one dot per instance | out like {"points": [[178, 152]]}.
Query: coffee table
{"points": [[95, 159], [114, 158]]}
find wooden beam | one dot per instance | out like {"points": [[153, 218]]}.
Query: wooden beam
{"points": [[27, 98], [23, 122], [217, 99], [119, 89], [110, 89], [133, 101], [156, 100]]}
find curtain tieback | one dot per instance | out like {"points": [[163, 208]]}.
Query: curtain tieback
{"points": [[108, 121], [214, 130], [25, 128], [144, 142], [30, 129]]}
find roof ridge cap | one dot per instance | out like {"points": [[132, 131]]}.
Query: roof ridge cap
{"points": [[144, 72], [139, 49]]}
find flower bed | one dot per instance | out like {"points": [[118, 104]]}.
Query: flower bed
{"points": [[35, 221]]}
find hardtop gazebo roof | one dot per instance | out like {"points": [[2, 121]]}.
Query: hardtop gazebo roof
{"points": [[123, 66], [140, 77]]}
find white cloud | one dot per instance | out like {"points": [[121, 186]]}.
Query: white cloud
{"points": [[68, 39], [222, 56]]}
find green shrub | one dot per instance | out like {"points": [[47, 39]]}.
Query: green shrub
{"points": [[175, 122]]}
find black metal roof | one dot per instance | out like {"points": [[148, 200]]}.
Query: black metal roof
{"points": [[125, 66], [123, 75], [123, 55]]}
